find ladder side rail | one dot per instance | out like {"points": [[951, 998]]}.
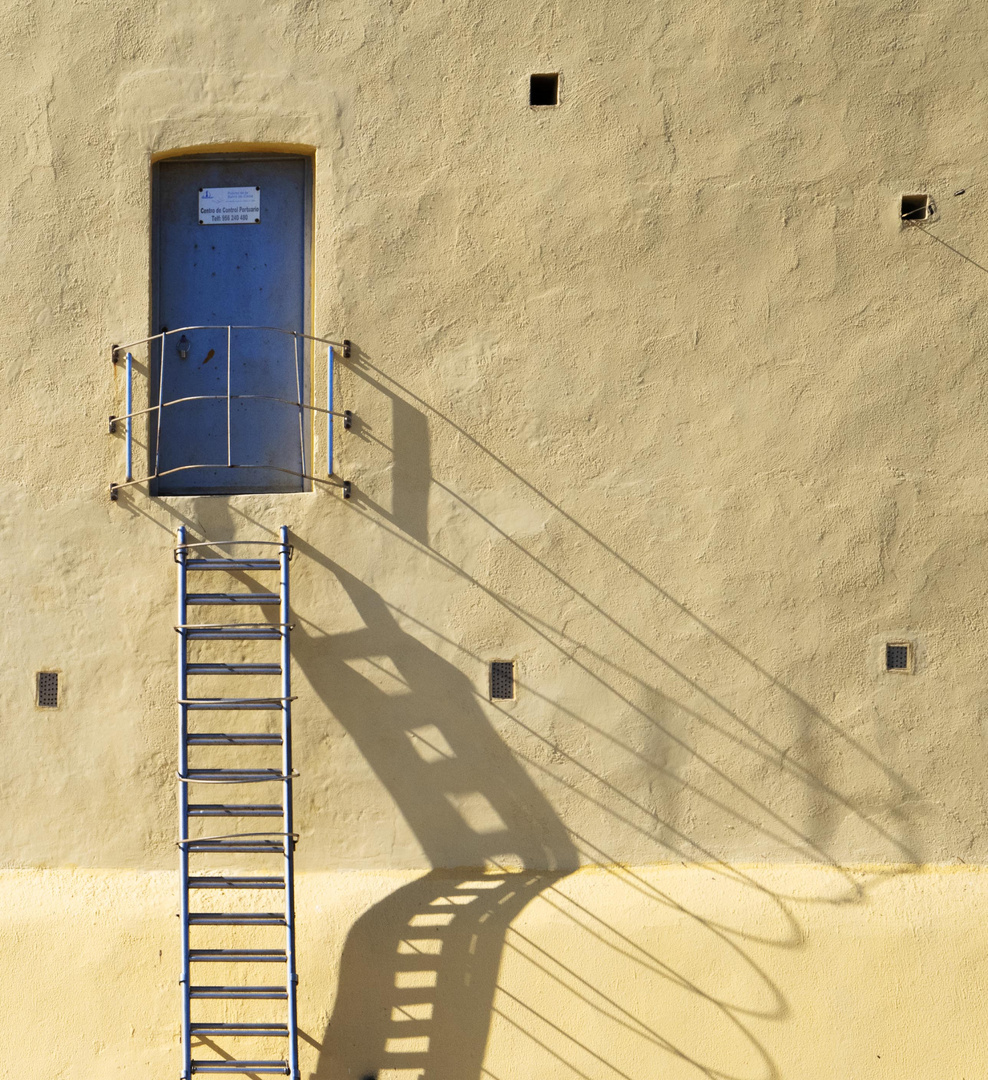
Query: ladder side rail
{"points": [[291, 979], [183, 805]]}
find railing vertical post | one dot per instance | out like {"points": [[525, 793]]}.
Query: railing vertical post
{"points": [[329, 415], [229, 437], [298, 392], [161, 403], [130, 418]]}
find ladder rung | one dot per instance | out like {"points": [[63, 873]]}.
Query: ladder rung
{"points": [[235, 810], [240, 993], [231, 633], [233, 669], [239, 1029], [238, 956], [232, 564], [236, 918], [236, 883], [226, 738], [232, 845], [270, 704], [273, 1067], [241, 598], [247, 776]]}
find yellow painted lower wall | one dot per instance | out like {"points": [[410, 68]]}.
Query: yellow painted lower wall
{"points": [[746, 973]]}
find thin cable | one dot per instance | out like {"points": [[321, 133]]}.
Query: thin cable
{"points": [[916, 225]]}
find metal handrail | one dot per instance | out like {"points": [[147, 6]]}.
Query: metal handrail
{"points": [[234, 326], [225, 397], [128, 417], [212, 465]]}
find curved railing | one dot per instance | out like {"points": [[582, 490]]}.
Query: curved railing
{"points": [[155, 412]]}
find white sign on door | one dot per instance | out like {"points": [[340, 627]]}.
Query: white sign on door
{"points": [[230, 206]]}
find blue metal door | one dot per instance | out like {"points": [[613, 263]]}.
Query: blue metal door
{"points": [[236, 286]]}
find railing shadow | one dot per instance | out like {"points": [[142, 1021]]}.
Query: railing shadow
{"points": [[419, 977], [792, 745]]}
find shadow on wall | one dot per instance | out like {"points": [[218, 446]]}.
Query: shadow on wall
{"points": [[419, 976], [419, 969], [803, 754]]}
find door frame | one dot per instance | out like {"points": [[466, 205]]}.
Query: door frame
{"points": [[236, 152]]}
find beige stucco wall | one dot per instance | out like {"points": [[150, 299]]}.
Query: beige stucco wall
{"points": [[654, 395], [753, 973]]}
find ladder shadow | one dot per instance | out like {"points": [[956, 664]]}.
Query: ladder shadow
{"points": [[403, 1005], [419, 969]]}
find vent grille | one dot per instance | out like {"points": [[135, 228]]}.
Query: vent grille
{"points": [[502, 680], [897, 657], [47, 689]]}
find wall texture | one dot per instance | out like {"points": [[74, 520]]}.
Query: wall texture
{"points": [[656, 395]]}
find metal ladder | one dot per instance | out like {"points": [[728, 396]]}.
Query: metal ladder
{"points": [[264, 845]]}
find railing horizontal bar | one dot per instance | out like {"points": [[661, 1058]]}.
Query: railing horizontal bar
{"points": [[137, 412], [221, 465], [134, 344], [222, 397], [227, 326]]}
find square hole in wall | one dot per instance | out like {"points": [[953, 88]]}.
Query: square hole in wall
{"points": [[47, 689], [898, 656], [502, 680], [916, 208], [544, 89]]}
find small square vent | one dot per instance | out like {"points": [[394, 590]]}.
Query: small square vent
{"points": [[47, 689], [502, 680], [544, 90], [916, 208], [898, 656]]}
